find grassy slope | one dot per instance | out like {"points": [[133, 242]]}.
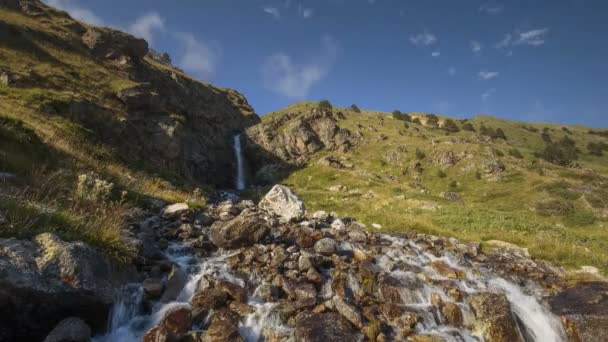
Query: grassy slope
{"points": [[493, 209], [47, 153]]}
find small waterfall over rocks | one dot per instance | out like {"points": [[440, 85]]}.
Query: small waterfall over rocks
{"points": [[364, 286], [240, 167]]}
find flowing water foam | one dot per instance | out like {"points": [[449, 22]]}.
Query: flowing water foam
{"points": [[129, 321]]}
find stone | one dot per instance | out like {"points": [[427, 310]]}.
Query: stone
{"points": [[176, 323], [304, 262], [451, 196], [241, 231], [203, 302], [299, 290], [426, 338], [153, 287], [507, 246], [233, 291], [139, 97], [175, 210], [71, 329], [326, 246], [224, 327], [348, 311], [314, 276], [357, 235], [55, 277], [282, 202], [494, 320], [445, 270], [322, 327], [320, 215], [337, 188], [176, 280], [452, 314]]}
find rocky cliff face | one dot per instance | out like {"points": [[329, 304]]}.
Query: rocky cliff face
{"points": [[151, 115], [290, 140]]}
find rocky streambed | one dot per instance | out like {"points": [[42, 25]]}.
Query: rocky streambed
{"points": [[241, 272], [238, 271]]}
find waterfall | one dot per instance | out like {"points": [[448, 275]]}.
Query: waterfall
{"points": [[240, 168]]}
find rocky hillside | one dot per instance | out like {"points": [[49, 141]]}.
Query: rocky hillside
{"points": [[101, 86], [541, 186]]}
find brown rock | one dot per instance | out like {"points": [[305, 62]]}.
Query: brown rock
{"points": [[452, 314], [495, 322]]}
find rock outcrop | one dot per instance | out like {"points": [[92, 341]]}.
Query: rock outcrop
{"points": [[47, 279], [291, 139]]}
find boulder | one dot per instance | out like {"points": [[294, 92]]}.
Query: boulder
{"points": [[153, 287], [176, 322], [205, 301], [175, 210], [452, 314], [348, 311], [71, 329], [47, 279], [494, 320], [322, 327], [282, 202], [242, 231], [176, 280], [224, 327], [444, 159], [326, 246]]}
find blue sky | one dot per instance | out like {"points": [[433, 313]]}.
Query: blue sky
{"points": [[526, 60]]}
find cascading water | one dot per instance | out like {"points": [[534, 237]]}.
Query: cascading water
{"points": [[401, 259], [240, 167]]}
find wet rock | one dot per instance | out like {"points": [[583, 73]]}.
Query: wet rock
{"points": [[322, 327], [494, 320], [268, 293], [203, 302], [153, 287], [278, 256], [445, 270], [348, 311], [584, 307], [176, 280], [70, 330], [232, 290], [282, 202], [224, 327], [176, 323], [326, 246], [452, 314], [313, 276], [241, 231], [427, 338]]}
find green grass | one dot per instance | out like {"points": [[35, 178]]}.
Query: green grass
{"points": [[502, 208]]}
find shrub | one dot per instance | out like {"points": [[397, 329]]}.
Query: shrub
{"points": [[441, 174], [555, 208], [565, 129], [406, 125], [477, 174], [599, 133], [432, 120], [468, 127], [563, 152], [325, 104], [453, 184], [355, 109], [487, 131], [416, 121], [396, 112], [530, 128], [561, 189], [406, 117], [450, 126], [498, 152], [597, 149], [546, 137], [420, 154], [515, 153], [580, 218]]}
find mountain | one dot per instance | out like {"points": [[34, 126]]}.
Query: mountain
{"points": [[539, 185], [112, 227]]}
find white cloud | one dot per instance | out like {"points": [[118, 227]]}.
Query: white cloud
{"points": [[534, 37], [76, 11], [196, 57], [424, 39], [487, 94], [475, 46], [491, 8], [295, 80], [436, 54], [146, 25], [488, 75], [273, 11], [452, 71], [307, 13]]}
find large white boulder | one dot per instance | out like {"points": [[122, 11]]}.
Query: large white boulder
{"points": [[283, 202]]}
